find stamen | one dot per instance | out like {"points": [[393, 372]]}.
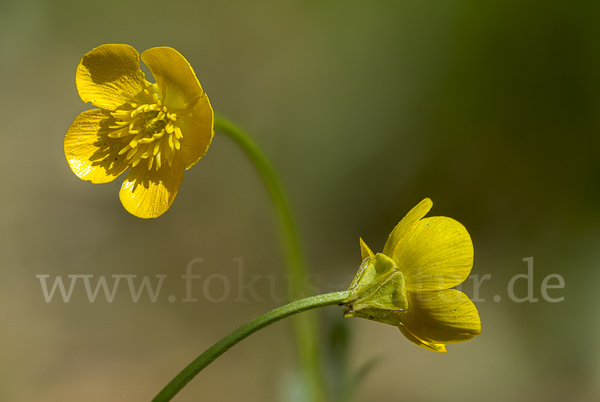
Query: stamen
{"points": [[124, 149], [178, 132], [138, 158], [119, 133], [171, 145], [134, 127], [146, 140], [145, 129], [138, 110], [159, 135], [120, 113], [134, 142], [131, 153], [119, 124]]}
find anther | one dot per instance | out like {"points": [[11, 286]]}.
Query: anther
{"points": [[119, 124], [178, 133], [124, 149], [118, 133], [130, 154]]}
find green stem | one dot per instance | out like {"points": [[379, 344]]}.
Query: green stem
{"points": [[304, 326], [241, 333], [292, 244]]}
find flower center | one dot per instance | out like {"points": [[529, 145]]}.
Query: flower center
{"points": [[144, 128]]}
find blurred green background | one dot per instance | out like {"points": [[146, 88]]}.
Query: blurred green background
{"points": [[365, 108]]}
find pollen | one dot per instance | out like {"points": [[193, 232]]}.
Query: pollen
{"points": [[144, 128]]}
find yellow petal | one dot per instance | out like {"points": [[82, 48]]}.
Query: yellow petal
{"points": [[181, 89], [149, 193], [446, 316], [174, 76], [107, 74], [435, 347], [365, 251], [436, 254], [197, 132], [402, 228], [90, 151]]}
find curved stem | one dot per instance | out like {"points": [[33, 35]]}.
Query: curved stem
{"points": [[292, 243], [304, 326], [241, 333]]}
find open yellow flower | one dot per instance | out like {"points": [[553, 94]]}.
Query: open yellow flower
{"points": [[409, 284], [158, 130]]}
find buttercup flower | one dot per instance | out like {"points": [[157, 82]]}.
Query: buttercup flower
{"points": [[158, 130], [409, 284]]}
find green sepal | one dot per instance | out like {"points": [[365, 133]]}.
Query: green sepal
{"points": [[371, 272], [389, 295], [379, 292]]}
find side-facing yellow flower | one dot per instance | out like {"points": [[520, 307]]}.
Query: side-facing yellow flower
{"points": [[409, 284], [158, 130]]}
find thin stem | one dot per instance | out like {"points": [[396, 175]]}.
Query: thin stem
{"points": [[292, 243], [304, 326], [241, 333]]}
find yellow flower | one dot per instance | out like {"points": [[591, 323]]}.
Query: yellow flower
{"points": [[158, 130], [409, 284]]}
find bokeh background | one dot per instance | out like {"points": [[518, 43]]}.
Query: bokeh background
{"points": [[364, 108]]}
